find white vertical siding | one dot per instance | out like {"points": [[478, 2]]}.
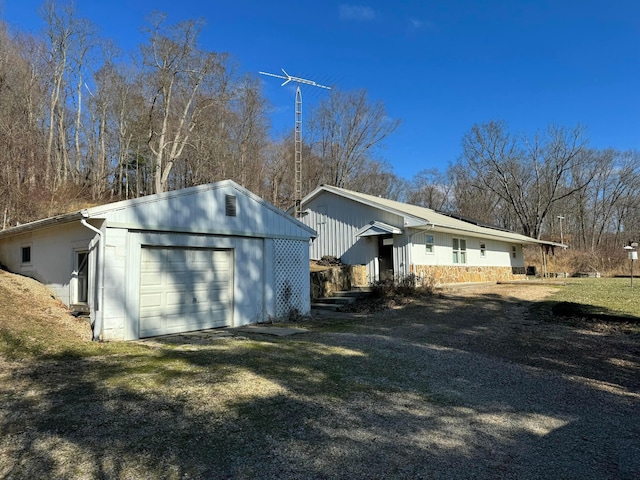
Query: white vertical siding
{"points": [[115, 285], [401, 255], [337, 228], [204, 212]]}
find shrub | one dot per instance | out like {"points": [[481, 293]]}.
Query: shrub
{"points": [[329, 261], [406, 286]]}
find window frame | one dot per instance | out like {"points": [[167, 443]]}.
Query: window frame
{"points": [[459, 248], [429, 246], [26, 248]]}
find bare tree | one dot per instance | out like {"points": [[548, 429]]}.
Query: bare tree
{"points": [[181, 80], [345, 131], [377, 178], [594, 211], [68, 44], [20, 140], [80, 59], [530, 177], [248, 132], [430, 188], [469, 198], [279, 188]]}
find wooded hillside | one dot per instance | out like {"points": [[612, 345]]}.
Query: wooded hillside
{"points": [[82, 122]]}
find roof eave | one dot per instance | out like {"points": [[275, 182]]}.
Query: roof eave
{"points": [[43, 223], [497, 234]]}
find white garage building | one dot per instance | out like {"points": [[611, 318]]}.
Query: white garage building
{"points": [[209, 256]]}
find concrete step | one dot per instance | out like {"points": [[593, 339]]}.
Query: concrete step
{"points": [[340, 298], [325, 306], [337, 300], [352, 294]]}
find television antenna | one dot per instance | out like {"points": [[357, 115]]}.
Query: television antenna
{"points": [[298, 130]]}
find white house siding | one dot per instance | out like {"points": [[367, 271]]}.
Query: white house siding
{"points": [[336, 237], [52, 255], [498, 254], [401, 254]]}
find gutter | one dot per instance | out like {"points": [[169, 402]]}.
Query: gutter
{"points": [[98, 312]]}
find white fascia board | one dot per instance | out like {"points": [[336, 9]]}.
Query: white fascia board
{"points": [[375, 228]]}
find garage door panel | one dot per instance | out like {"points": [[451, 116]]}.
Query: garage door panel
{"points": [[151, 300], [184, 289], [152, 325], [177, 299], [218, 296], [175, 255], [221, 274], [150, 279]]}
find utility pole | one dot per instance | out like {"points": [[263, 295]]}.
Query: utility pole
{"points": [[297, 132], [560, 217]]}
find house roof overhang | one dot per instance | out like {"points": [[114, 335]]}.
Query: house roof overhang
{"points": [[44, 223], [495, 234], [424, 219], [100, 213], [375, 228]]}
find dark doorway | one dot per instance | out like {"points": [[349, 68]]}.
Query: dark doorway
{"points": [[385, 257]]}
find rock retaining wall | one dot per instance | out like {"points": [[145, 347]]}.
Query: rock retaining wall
{"points": [[335, 279], [460, 274]]}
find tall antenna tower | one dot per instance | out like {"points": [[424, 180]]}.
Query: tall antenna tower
{"points": [[298, 131]]}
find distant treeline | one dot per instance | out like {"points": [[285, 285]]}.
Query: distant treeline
{"points": [[82, 122]]}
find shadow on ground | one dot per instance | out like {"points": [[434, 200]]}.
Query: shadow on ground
{"points": [[448, 387]]}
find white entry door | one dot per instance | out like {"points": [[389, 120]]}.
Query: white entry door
{"points": [[184, 289]]}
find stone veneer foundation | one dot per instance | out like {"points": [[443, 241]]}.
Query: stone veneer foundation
{"points": [[458, 274]]}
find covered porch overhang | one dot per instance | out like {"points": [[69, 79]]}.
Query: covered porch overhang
{"points": [[375, 228]]}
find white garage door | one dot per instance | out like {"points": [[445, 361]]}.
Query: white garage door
{"points": [[182, 290]]}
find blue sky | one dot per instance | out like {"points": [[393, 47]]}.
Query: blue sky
{"points": [[439, 66]]}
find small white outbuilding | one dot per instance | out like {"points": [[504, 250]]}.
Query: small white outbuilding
{"points": [[203, 257]]}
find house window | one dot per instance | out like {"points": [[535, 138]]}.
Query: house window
{"points": [[25, 253], [459, 250], [483, 250], [514, 251], [230, 205], [428, 242]]}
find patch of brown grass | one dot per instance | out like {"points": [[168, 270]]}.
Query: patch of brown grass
{"points": [[32, 321]]}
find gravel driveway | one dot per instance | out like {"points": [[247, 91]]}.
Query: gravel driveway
{"points": [[511, 395], [469, 384]]}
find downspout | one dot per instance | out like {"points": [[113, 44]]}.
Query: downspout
{"points": [[99, 312]]}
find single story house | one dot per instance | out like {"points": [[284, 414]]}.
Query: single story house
{"points": [[393, 239], [208, 256]]}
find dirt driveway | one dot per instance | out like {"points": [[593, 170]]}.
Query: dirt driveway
{"points": [[469, 384]]}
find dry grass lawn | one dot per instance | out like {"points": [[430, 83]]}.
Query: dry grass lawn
{"points": [[474, 383]]}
